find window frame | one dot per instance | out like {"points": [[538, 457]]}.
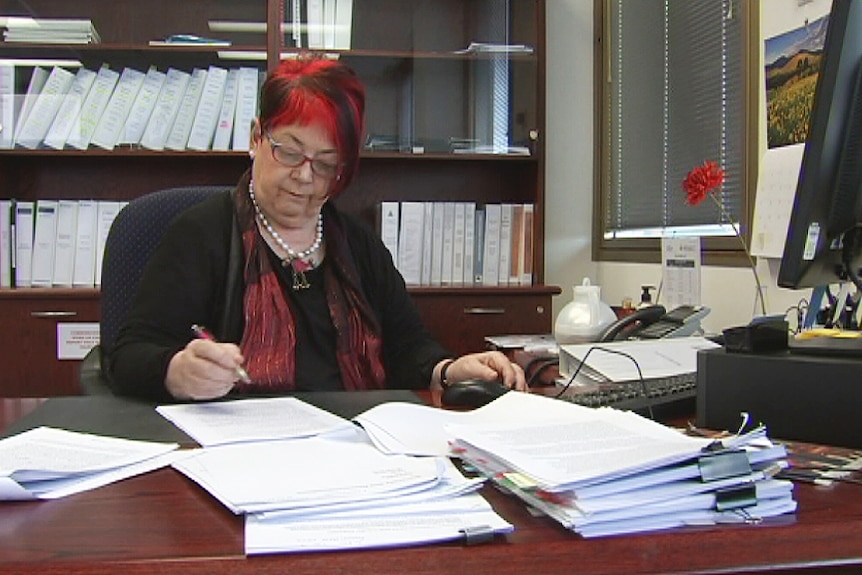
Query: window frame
{"points": [[719, 251]]}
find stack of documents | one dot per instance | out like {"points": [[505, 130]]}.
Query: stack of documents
{"points": [[309, 480], [619, 361], [606, 472], [49, 30], [47, 463]]}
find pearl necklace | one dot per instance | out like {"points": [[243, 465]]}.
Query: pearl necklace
{"points": [[291, 253]]}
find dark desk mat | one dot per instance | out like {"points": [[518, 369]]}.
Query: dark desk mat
{"points": [[134, 419]]}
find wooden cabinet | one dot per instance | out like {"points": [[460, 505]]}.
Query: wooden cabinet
{"points": [[29, 339], [440, 120], [461, 318]]}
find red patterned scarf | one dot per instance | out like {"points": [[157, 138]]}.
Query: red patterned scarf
{"points": [[269, 338]]}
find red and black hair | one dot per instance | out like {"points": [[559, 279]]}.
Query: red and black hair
{"points": [[309, 89]]}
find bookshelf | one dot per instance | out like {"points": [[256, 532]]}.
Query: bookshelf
{"points": [[427, 97]]}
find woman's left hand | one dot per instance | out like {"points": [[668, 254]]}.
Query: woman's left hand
{"points": [[488, 365]]}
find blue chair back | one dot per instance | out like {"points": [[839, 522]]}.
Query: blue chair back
{"points": [[134, 234]]}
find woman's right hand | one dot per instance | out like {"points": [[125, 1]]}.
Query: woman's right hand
{"points": [[205, 369]]}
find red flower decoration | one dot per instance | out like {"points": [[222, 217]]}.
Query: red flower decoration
{"points": [[704, 180], [701, 181]]}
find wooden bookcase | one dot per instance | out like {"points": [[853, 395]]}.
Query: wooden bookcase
{"points": [[422, 93]]}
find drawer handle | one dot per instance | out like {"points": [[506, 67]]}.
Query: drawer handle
{"points": [[484, 310], [52, 314]]}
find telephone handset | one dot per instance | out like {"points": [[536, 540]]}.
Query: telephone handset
{"points": [[653, 322]]}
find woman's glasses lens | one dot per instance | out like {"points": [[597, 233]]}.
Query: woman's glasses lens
{"points": [[291, 159]]}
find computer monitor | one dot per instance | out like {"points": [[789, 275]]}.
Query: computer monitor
{"points": [[823, 243]]}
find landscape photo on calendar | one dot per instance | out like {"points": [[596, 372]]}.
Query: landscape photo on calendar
{"points": [[792, 64]]}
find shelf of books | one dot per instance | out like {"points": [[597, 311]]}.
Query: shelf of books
{"points": [[460, 243], [55, 243], [102, 102], [205, 109]]}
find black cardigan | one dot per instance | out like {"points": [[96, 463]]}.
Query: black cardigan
{"points": [[195, 276]]}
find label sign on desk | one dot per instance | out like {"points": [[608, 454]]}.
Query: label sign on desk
{"points": [[76, 339]]}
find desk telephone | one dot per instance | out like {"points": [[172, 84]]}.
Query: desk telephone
{"points": [[653, 322]]}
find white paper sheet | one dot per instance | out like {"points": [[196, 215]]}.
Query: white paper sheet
{"points": [[776, 189], [56, 488], [221, 422], [452, 484], [304, 473], [665, 357], [49, 453], [48, 463], [680, 271], [440, 520], [577, 446], [414, 429]]}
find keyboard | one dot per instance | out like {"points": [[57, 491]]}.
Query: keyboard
{"points": [[630, 395]]}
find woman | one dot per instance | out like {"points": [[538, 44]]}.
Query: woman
{"points": [[298, 295]]}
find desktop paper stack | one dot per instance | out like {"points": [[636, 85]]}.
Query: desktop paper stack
{"points": [[48, 463], [605, 472], [308, 480]]}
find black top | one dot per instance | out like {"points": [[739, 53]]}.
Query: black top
{"points": [[195, 276], [316, 362]]}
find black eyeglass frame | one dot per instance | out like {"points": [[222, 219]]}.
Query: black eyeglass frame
{"points": [[290, 159]]}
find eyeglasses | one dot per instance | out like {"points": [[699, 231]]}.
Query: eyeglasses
{"points": [[295, 159]]}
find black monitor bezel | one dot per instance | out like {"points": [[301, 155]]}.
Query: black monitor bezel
{"points": [[811, 259]]}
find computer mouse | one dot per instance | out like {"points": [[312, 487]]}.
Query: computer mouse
{"points": [[472, 393]]}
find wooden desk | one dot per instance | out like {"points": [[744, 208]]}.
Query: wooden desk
{"points": [[161, 522]]}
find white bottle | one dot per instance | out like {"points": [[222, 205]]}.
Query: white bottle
{"points": [[584, 318]]}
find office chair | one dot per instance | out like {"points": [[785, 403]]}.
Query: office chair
{"points": [[134, 234]]}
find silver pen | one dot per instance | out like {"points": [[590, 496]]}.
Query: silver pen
{"points": [[203, 333]]}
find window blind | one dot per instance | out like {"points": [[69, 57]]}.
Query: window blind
{"points": [[675, 97]]}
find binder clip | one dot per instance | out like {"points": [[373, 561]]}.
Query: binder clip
{"points": [[735, 497], [723, 464], [477, 534]]}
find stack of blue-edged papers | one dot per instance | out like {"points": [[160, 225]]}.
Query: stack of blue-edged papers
{"points": [[48, 463], [606, 472], [307, 480], [309, 474]]}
